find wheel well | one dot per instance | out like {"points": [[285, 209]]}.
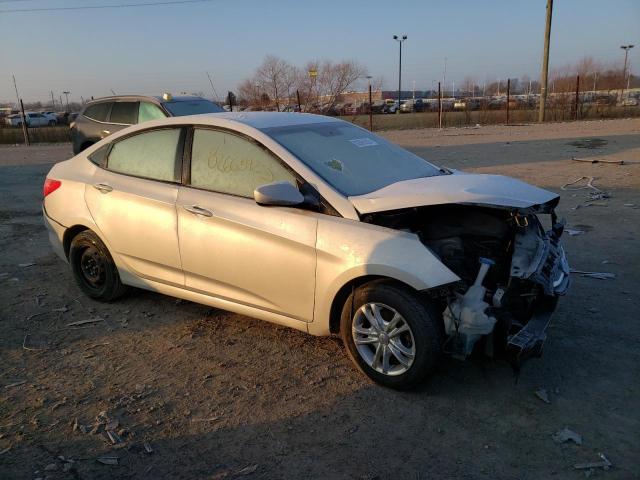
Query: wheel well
{"points": [[69, 235], [343, 294]]}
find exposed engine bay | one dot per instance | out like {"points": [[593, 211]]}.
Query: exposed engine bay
{"points": [[511, 272]]}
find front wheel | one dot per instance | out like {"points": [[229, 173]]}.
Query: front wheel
{"points": [[391, 335], [93, 268]]}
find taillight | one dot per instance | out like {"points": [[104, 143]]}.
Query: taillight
{"points": [[50, 186]]}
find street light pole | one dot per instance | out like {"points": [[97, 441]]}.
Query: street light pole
{"points": [[399, 39], [626, 49], [66, 94]]}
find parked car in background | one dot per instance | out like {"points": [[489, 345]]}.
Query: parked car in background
{"points": [[100, 118], [412, 105], [52, 116], [319, 225], [33, 119], [379, 106]]}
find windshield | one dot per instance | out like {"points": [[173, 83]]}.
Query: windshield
{"points": [[352, 160], [191, 107]]}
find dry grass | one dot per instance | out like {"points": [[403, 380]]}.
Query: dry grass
{"points": [[484, 117], [13, 135]]}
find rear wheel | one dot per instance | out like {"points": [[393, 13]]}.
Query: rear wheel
{"points": [[391, 334], [93, 268]]}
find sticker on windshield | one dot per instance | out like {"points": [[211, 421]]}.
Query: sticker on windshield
{"points": [[363, 142]]}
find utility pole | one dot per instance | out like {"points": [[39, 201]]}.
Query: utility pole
{"points": [[444, 74], [215, 94], [577, 97], [53, 102], [544, 75], [439, 106], [399, 39], [25, 132], [626, 49], [508, 97]]}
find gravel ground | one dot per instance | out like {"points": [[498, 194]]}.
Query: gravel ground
{"points": [[217, 395]]}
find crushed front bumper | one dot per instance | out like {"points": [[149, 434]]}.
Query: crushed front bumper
{"points": [[538, 258]]}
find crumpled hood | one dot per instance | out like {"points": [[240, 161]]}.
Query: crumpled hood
{"points": [[459, 187]]}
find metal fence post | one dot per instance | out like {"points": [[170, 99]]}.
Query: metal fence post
{"points": [[439, 106]]}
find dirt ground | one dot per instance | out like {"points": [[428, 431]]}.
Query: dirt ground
{"points": [[216, 395]]}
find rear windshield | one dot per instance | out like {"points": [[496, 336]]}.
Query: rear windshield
{"points": [[191, 107], [352, 160]]}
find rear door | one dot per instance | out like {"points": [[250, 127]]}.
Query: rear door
{"points": [[132, 200], [231, 247]]}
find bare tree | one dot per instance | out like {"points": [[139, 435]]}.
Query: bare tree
{"points": [[275, 78]]}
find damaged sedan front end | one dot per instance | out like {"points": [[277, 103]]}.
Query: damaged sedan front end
{"points": [[489, 231]]}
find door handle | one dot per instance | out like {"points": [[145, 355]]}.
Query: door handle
{"points": [[198, 210], [103, 187], [106, 132]]}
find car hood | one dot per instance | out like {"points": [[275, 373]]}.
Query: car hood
{"points": [[460, 188]]}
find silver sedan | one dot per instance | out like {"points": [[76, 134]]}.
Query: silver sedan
{"points": [[316, 224]]}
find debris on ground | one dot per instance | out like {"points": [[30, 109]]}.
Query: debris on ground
{"points": [[29, 345], [28, 264], [573, 232], [566, 435], [584, 183], [542, 394], [58, 404], [16, 384], [596, 275], [108, 460], [2, 452], [147, 447], [605, 464], [248, 470], [83, 322], [597, 160]]}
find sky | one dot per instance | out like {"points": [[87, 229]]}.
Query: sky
{"points": [[152, 49]]}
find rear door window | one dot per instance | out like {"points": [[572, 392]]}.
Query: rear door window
{"points": [[155, 154], [98, 112], [124, 112]]}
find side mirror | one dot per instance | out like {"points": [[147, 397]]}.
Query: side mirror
{"points": [[281, 194]]}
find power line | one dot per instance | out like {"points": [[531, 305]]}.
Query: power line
{"points": [[95, 7]]}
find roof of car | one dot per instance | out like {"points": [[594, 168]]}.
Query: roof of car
{"points": [[262, 120], [156, 98]]}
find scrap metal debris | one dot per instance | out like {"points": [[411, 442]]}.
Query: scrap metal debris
{"points": [[28, 264], [566, 435], [605, 464], [596, 275], [147, 447], [573, 232]]}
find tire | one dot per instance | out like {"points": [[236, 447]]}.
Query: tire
{"points": [[52, 123], [424, 338], [94, 269]]}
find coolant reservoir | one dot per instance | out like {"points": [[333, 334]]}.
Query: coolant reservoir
{"points": [[467, 316]]}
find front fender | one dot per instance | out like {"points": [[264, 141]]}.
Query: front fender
{"points": [[349, 249]]}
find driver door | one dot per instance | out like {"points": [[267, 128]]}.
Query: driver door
{"points": [[231, 247]]}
